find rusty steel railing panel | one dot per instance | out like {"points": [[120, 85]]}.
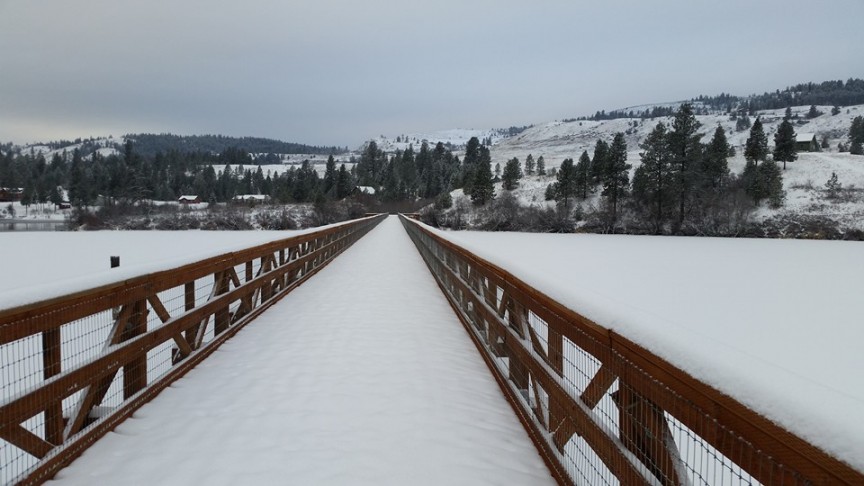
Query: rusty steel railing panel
{"points": [[73, 367], [602, 409]]}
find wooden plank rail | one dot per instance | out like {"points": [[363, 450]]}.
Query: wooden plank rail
{"points": [[85, 385], [574, 383]]}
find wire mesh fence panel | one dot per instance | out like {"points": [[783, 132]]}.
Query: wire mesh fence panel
{"points": [[73, 367], [600, 408]]}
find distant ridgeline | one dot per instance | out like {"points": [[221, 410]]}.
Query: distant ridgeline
{"points": [[827, 93], [149, 144]]}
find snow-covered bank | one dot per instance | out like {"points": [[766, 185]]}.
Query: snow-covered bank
{"points": [[362, 375], [42, 265], [774, 323]]}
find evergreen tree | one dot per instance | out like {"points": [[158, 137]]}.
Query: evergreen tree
{"points": [[551, 192], [497, 172], [408, 174], [371, 165], [835, 110], [764, 182], [743, 123], [529, 164], [615, 178], [856, 136], [391, 187], [714, 166], [583, 175], [598, 161], [470, 163], [565, 187], [330, 177], [512, 174], [343, 183], [788, 114], [685, 153], [833, 186], [784, 144], [541, 166], [444, 201], [482, 191], [54, 196], [652, 181], [771, 183], [28, 196], [80, 185], [756, 147], [426, 171], [813, 112]]}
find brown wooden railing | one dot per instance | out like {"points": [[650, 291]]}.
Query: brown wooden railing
{"points": [[73, 367], [602, 409]]}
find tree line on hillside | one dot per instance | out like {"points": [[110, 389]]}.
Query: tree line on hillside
{"points": [[149, 144], [132, 176], [828, 93]]}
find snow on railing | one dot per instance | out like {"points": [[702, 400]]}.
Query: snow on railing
{"points": [[602, 409], [73, 367]]}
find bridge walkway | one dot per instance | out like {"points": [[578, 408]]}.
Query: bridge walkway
{"points": [[363, 375]]}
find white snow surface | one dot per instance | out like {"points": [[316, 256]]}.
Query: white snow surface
{"points": [[51, 264], [774, 323], [362, 375]]}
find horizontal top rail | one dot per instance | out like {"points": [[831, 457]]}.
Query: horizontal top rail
{"points": [[667, 385]]}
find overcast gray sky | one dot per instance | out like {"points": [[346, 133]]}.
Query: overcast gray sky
{"points": [[333, 72]]}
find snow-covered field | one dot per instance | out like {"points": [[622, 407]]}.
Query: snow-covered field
{"points": [[774, 323], [32, 212], [363, 375], [49, 264]]}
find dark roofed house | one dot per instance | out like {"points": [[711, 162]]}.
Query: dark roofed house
{"points": [[806, 142], [189, 199], [11, 194]]}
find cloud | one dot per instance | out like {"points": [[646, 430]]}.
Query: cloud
{"points": [[337, 72]]}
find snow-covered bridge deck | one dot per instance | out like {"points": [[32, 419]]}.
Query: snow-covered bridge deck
{"points": [[362, 375]]}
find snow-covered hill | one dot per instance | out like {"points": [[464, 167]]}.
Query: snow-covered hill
{"points": [[804, 180], [556, 141], [104, 145], [455, 138]]}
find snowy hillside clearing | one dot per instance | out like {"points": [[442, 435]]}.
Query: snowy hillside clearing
{"points": [[455, 138]]}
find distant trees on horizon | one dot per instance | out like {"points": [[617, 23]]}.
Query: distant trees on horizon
{"points": [[828, 93]]}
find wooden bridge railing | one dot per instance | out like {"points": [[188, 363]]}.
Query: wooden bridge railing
{"points": [[73, 367], [600, 408]]}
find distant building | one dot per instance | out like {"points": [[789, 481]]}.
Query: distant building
{"points": [[189, 199], [806, 142], [64, 205], [250, 198], [11, 194]]}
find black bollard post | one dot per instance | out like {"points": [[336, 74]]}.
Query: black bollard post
{"points": [[115, 261]]}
